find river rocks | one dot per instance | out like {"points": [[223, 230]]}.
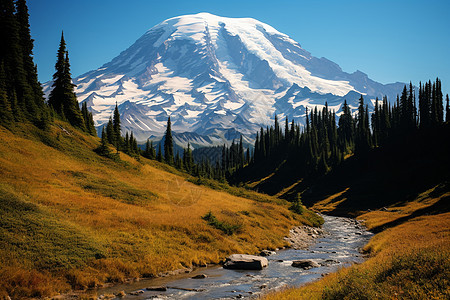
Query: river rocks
{"points": [[121, 294], [101, 297], [305, 264], [267, 253], [245, 262], [327, 262], [157, 288], [137, 293], [200, 276], [301, 237], [175, 272]]}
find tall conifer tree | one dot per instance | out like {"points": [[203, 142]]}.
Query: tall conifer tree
{"points": [[62, 98], [168, 144]]}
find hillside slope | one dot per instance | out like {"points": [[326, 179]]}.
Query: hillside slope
{"points": [[71, 219], [408, 259]]}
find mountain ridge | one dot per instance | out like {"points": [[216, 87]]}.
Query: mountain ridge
{"points": [[213, 75]]}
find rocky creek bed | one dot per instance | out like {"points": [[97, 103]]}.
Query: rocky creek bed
{"points": [[314, 252]]}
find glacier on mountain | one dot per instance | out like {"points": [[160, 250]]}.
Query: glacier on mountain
{"points": [[217, 78]]}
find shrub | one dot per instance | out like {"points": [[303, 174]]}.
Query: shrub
{"points": [[227, 228]]}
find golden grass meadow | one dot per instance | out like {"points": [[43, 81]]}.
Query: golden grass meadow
{"points": [[71, 219], [408, 259]]}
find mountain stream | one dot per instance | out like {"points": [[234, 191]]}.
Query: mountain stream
{"points": [[339, 246]]}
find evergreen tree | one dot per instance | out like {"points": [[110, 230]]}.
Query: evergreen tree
{"points": [[149, 150], [134, 149], [18, 90], [62, 98], [116, 126], [88, 120], [159, 155], [36, 105], [110, 132], [178, 161], [346, 129], [362, 139], [126, 143], [168, 144], [6, 114], [447, 110], [188, 160], [241, 158], [103, 149]]}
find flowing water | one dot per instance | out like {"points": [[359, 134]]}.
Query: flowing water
{"points": [[337, 248]]}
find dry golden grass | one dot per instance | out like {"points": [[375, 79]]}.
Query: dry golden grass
{"points": [[330, 203], [73, 219], [410, 260]]}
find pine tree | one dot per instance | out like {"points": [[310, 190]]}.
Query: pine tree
{"points": [[362, 140], [346, 129], [62, 98], [36, 105], [134, 149], [168, 144], [88, 120], [11, 56], [110, 132], [188, 160], [149, 150], [117, 127], [126, 143], [159, 155], [103, 149], [178, 161], [6, 114], [241, 158], [447, 110]]}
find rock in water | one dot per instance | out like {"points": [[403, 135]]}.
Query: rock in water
{"points": [[121, 294], [267, 253], [200, 276], [245, 262], [157, 288], [305, 264]]}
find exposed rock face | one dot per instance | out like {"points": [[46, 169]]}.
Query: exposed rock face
{"points": [[301, 237], [305, 264], [245, 262]]}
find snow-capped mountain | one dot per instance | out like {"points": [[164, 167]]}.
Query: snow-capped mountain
{"points": [[217, 78]]}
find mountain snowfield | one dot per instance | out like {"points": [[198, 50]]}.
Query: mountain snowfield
{"points": [[217, 78]]}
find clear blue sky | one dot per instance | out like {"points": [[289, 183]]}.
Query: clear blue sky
{"points": [[388, 40]]}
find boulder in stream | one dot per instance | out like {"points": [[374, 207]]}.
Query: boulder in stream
{"points": [[305, 264], [245, 262], [157, 288], [200, 276], [267, 253]]}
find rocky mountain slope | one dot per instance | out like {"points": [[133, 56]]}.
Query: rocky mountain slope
{"points": [[217, 78]]}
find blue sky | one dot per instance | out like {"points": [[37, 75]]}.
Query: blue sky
{"points": [[388, 40]]}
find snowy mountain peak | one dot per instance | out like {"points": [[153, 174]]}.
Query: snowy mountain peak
{"points": [[217, 77]]}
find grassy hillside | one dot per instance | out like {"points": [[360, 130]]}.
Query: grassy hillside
{"points": [[73, 219], [409, 257]]}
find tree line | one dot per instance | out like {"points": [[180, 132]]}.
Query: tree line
{"points": [[21, 95], [321, 145]]}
